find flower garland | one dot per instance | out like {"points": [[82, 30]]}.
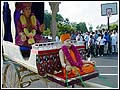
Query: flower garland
{"points": [[79, 62]]}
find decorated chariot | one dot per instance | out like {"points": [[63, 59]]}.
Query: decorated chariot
{"points": [[42, 63]]}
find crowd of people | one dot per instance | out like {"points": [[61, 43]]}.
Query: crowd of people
{"points": [[29, 31], [98, 43]]}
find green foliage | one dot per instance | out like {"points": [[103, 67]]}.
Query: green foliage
{"points": [[111, 26], [47, 19], [65, 26], [82, 27], [62, 29], [66, 21], [46, 32], [97, 27], [74, 24], [59, 18], [90, 28], [114, 27]]}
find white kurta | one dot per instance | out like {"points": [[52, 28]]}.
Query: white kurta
{"points": [[114, 39]]}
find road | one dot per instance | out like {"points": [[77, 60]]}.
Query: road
{"points": [[108, 69], [107, 66]]}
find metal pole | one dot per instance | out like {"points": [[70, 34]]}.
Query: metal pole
{"points": [[108, 22]]}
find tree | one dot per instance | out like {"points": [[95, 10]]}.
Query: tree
{"points": [[90, 28], [81, 27], [53, 25], [73, 24], [113, 27], [59, 18], [66, 21], [47, 32], [98, 27], [47, 19], [103, 26], [64, 28]]}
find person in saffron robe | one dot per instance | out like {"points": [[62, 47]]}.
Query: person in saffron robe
{"points": [[71, 60], [28, 27]]}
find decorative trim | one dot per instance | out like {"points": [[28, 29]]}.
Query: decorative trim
{"points": [[79, 62]]}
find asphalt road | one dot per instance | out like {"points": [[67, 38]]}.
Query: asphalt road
{"points": [[108, 68], [106, 65]]}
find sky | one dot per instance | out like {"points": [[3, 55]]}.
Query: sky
{"points": [[84, 11]]}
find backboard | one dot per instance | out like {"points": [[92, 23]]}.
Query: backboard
{"points": [[109, 9]]}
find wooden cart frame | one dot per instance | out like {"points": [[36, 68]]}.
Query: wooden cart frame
{"points": [[19, 72]]}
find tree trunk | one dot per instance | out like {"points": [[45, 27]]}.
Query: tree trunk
{"points": [[54, 8]]}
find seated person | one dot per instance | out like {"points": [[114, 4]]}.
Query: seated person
{"points": [[28, 26], [71, 60]]}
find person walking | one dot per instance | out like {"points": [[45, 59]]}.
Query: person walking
{"points": [[91, 47], [102, 43], [114, 42], [98, 45]]}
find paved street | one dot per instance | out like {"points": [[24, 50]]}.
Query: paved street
{"points": [[107, 67]]}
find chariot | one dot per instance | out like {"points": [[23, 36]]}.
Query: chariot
{"points": [[42, 64]]}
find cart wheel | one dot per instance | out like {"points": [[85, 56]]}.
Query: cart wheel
{"points": [[11, 79]]}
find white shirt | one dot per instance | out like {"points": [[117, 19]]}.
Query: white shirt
{"points": [[57, 39], [98, 40], [86, 38], [114, 39], [102, 41], [79, 38], [116, 36]]}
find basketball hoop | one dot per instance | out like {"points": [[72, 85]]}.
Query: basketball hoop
{"points": [[109, 12]]}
